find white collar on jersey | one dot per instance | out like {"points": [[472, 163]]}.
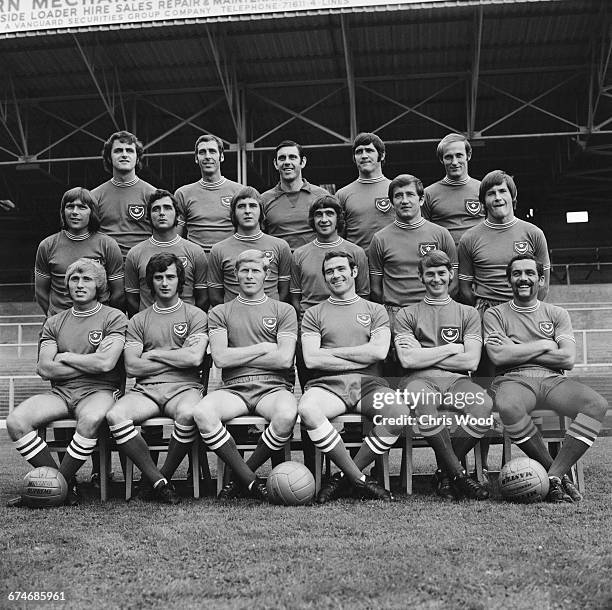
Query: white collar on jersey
{"points": [[76, 237], [125, 184], [212, 186], [350, 301], [451, 182], [331, 244], [445, 301], [409, 225], [255, 237], [371, 180], [244, 301], [171, 309], [504, 225], [529, 309], [165, 244], [89, 312]]}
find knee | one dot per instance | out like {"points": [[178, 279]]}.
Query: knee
{"points": [[184, 415], [394, 418], [89, 424], [596, 407], [309, 412], [284, 419], [510, 410], [116, 415], [481, 408], [205, 415], [16, 427]]}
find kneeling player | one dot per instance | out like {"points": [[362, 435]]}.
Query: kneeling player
{"points": [[533, 344], [252, 338], [79, 351], [164, 350], [345, 340], [438, 341]]}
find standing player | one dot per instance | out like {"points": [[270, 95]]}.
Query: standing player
{"points": [[164, 350], [247, 217], [121, 203], [162, 210], [286, 205], [345, 339], [252, 339], [79, 351], [453, 201], [438, 342], [366, 204], [205, 205], [79, 238], [532, 344]]}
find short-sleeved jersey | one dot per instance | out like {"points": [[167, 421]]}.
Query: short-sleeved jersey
{"points": [[528, 324], [249, 323], [437, 322], [167, 328], [395, 253], [81, 333], [122, 210], [367, 208], [57, 252], [345, 324], [223, 257], [286, 213], [453, 205], [193, 259], [307, 278], [204, 209], [486, 249]]}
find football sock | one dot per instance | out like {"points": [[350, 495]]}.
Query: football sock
{"points": [[463, 443], [180, 442], [580, 436], [526, 436], [35, 450], [438, 437], [79, 449], [308, 449], [221, 442], [327, 439], [269, 442], [376, 443], [133, 445]]}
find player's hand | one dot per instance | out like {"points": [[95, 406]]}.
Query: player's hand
{"points": [[550, 345], [150, 355], [406, 342], [7, 205], [456, 348], [499, 339]]}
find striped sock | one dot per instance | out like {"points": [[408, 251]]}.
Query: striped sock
{"points": [[376, 443], [217, 438], [525, 434], [522, 430], [124, 431], [34, 450], [474, 429], [183, 433], [269, 442], [180, 442], [585, 429], [274, 440], [79, 449], [327, 439], [432, 427]]}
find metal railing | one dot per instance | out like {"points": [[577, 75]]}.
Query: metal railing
{"points": [[20, 326]]}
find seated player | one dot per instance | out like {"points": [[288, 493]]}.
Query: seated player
{"points": [[79, 351], [164, 350], [532, 344], [345, 339], [252, 338], [438, 342]]}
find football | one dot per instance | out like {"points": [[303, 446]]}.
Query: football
{"points": [[291, 483], [523, 480], [44, 487]]}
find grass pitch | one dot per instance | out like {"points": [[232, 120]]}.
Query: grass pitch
{"points": [[417, 553]]}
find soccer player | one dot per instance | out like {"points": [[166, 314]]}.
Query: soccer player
{"points": [[205, 205], [79, 238], [247, 217], [162, 210], [365, 201], [286, 205], [345, 340], [121, 203], [532, 344], [453, 201], [438, 342], [252, 339], [79, 351], [164, 349]]}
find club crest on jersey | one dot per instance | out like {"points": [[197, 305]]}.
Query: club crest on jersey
{"points": [[473, 207], [382, 204], [184, 260], [365, 319], [94, 337], [521, 247], [225, 201], [269, 254], [269, 323], [424, 248], [548, 328], [136, 211], [180, 329], [449, 334]]}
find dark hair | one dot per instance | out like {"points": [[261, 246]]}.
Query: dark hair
{"points": [[287, 143], [364, 138], [84, 196], [496, 178], [527, 256], [405, 180], [127, 138], [160, 262], [158, 194], [435, 258], [449, 139], [338, 254], [246, 192], [208, 137], [327, 201]]}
